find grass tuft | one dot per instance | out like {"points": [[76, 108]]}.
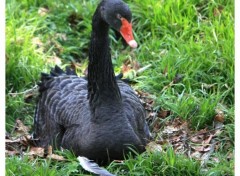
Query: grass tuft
{"points": [[189, 44]]}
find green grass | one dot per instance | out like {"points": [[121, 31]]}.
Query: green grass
{"points": [[145, 164], [157, 164], [191, 38]]}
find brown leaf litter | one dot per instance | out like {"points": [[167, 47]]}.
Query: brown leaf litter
{"points": [[177, 132], [21, 143]]}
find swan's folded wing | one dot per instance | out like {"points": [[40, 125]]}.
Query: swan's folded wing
{"points": [[134, 110], [60, 93]]}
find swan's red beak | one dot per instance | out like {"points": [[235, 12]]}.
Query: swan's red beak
{"points": [[126, 32]]}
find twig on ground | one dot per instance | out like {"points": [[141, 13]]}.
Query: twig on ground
{"points": [[218, 128], [24, 92], [207, 155], [144, 68]]}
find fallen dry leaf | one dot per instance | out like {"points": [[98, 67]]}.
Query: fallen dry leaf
{"points": [[49, 150], [56, 157], [197, 139], [196, 155], [205, 157], [216, 159], [43, 11], [20, 129], [12, 141], [156, 126], [28, 97], [175, 139], [135, 65], [18, 144], [201, 132], [207, 141], [163, 114], [170, 129], [54, 59], [218, 127], [148, 103], [118, 161], [129, 68], [36, 151], [37, 42], [125, 68], [217, 11], [219, 116], [179, 148], [201, 148], [11, 153], [14, 147], [230, 156], [153, 147]]}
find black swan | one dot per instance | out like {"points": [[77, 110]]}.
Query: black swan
{"points": [[99, 117]]}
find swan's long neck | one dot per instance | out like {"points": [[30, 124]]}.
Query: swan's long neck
{"points": [[102, 86]]}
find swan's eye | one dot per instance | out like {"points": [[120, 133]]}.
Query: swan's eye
{"points": [[119, 16]]}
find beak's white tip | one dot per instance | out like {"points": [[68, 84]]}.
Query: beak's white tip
{"points": [[133, 44]]}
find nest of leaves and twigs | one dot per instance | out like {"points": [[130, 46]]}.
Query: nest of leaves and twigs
{"points": [[178, 133], [20, 142]]}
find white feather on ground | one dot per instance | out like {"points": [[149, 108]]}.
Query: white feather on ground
{"points": [[92, 167]]}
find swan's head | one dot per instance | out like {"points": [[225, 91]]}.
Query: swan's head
{"points": [[118, 15]]}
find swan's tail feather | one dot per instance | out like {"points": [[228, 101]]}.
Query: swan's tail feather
{"points": [[55, 72], [70, 71], [92, 167]]}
